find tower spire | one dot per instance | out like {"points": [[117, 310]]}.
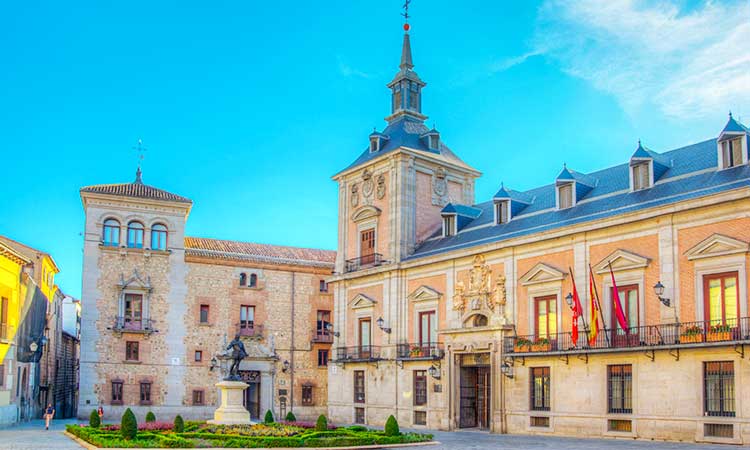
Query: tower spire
{"points": [[406, 86], [406, 63]]}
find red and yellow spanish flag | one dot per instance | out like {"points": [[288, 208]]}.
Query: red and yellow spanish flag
{"points": [[593, 310], [577, 310]]}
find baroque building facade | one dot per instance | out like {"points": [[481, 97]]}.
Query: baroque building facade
{"points": [[159, 308], [451, 313]]}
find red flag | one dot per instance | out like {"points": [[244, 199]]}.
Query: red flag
{"points": [[577, 310], [594, 320], [619, 313]]}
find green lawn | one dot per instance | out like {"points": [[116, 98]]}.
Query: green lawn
{"points": [[202, 435]]}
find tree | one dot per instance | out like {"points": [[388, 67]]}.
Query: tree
{"points": [[321, 424], [269, 417], [391, 427], [290, 417], [94, 420], [150, 417], [129, 425], [179, 424]]}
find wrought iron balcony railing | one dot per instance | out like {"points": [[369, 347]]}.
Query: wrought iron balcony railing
{"points": [[423, 350], [133, 325], [249, 329], [648, 337], [363, 262], [322, 336], [359, 353]]}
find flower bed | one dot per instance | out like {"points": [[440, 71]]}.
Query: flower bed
{"points": [[198, 435]]}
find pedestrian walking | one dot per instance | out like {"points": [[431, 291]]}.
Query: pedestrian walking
{"points": [[49, 414], [100, 411]]}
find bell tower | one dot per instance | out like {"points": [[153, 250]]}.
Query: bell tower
{"points": [[406, 86]]}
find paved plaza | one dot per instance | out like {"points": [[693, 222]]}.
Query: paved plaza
{"points": [[33, 436]]}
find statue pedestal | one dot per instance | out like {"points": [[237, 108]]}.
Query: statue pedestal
{"points": [[231, 411]]}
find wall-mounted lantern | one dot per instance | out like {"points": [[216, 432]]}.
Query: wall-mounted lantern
{"points": [[381, 324], [506, 369], [659, 291]]}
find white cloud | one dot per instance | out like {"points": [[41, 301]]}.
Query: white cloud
{"points": [[349, 71], [507, 63], [687, 63]]}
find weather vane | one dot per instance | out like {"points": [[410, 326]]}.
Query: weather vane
{"points": [[406, 14], [139, 148]]}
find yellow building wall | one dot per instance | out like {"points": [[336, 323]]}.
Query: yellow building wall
{"points": [[15, 291]]}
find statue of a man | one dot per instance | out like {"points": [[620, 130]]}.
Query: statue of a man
{"points": [[238, 354]]}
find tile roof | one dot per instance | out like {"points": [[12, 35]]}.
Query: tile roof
{"points": [[691, 172], [407, 132], [264, 253], [135, 189], [29, 253]]}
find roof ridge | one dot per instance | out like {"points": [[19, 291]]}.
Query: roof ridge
{"points": [[259, 244]]}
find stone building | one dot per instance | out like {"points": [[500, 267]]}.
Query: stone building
{"points": [[160, 307], [452, 313]]}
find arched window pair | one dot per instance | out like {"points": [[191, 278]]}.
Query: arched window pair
{"points": [[111, 235], [253, 280]]}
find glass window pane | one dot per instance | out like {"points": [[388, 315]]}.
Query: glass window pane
{"points": [[714, 299], [730, 299]]}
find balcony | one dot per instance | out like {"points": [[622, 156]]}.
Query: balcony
{"points": [[6, 333], [364, 262], [250, 329], [420, 351], [133, 325], [322, 337], [357, 354], [650, 337]]}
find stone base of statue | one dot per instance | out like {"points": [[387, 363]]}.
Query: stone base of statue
{"points": [[231, 411]]}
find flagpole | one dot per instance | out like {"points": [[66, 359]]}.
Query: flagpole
{"points": [[599, 304], [583, 318]]}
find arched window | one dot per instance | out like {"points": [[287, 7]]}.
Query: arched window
{"points": [[243, 279], [480, 320], [159, 237], [135, 235], [111, 233], [253, 280]]}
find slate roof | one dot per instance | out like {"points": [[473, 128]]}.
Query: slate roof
{"points": [[263, 253], [136, 189], [406, 132], [691, 172]]}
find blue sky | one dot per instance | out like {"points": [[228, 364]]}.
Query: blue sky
{"points": [[249, 107]]}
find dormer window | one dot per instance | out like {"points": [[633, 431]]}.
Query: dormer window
{"points": [[434, 141], [641, 176], [502, 211], [374, 144], [449, 225], [731, 152], [565, 196]]}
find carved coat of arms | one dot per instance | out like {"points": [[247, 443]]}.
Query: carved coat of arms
{"points": [[439, 187], [480, 293]]}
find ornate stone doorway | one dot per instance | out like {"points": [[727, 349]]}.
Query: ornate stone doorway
{"points": [[252, 393], [475, 391]]}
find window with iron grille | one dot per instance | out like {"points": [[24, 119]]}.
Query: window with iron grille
{"points": [[718, 388], [359, 415], [145, 392], [620, 389], [117, 393], [540, 395], [420, 417], [131, 351], [307, 395], [542, 422], [359, 386], [720, 430], [618, 425], [420, 387], [198, 397], [322, 358]]}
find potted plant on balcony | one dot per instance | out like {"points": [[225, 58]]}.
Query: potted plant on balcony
{"points": [[540, 345], [522, 344], [717, 333], [415, 351], [691, 335]]}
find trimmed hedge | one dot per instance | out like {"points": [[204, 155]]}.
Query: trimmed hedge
{"points": [[179, 424], [94, 419], [150, 417], [321, 424], [129, 425], [269, 417], [290, 417], [391, 427]]}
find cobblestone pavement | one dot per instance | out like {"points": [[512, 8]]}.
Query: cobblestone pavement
{"points": [[471, 440], [33, 436]]}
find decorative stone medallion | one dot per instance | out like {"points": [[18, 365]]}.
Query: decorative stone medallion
{"points": [[354, 198], [367, 184], [439, 187], [380, 192]]}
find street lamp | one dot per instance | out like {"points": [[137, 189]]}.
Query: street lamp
{"points": [[434, 372], [285, 366], [214, 363], [506, 369], [380, 322], [329, 328], [569, 300], [659, 291]]}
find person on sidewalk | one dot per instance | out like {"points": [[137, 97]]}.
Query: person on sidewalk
{"points": [[100, 411], [49, 413]]}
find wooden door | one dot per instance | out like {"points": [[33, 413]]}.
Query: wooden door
{"points": [[468, 398], [367, 246]]}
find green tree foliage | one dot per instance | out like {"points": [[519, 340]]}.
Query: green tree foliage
{"points": [[179, 424], [150, 417], [94, 420], [269, 417], [290, 417], [391, 427], [128, 425], [321, 424]]}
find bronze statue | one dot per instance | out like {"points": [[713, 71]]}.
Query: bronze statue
{"points": [[237, 355]]}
